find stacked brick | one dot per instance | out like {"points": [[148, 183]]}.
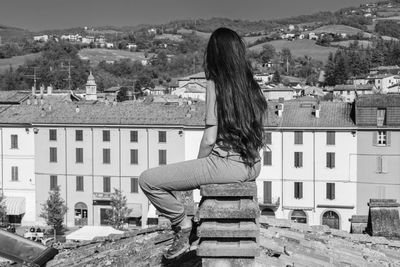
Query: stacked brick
{"points": [[228, 229]]}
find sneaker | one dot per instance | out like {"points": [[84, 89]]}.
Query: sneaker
{"points": [[180, 244]]}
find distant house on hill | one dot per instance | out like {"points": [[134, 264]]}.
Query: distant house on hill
{"points": [[193, 89], [350, 92], [157, 90], [278, 92]]}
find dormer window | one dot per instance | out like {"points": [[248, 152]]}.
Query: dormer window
{"points": [[381, 117]]}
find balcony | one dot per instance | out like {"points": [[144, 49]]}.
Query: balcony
{"points": [[272, 203], [102, 195]]}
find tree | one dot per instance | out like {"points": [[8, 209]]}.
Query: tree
{"points": [[119, 211], [268, 52], [276, 78], [3, 210], [54, 210]]}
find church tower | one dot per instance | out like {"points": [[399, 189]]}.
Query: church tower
{"points": [[91, 88]]}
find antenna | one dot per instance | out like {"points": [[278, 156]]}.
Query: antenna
{"points": [[33, 76], [68, 68]]}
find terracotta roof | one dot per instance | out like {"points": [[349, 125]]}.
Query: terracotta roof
{"points": [[13, 97], [351, 87], [378, 100], [301, 114]]}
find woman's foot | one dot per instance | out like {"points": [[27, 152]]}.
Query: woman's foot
{"points": [[181, 239], [180, 244]]}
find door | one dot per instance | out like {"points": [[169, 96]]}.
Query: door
{"points": [[104, 217]]}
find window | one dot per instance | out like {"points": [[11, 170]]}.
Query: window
{"points": [[134, 156], [162, 157], [53, 154], [330, 191], [134, 136], [162, 136], [298, 216], [330, 138], [381, 138], [14, 173], [381, 117], [134, 185], [14, 141], [298, 190], [267, 158], [53, 135], [79, 155], [106, 184], [79, 183], [106, 156], [381, 164], [78, 135], [298, 138], [53, 182], [298, 159], [330, 160], [268, 138], [106, 136]]}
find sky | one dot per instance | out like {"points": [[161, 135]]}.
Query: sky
{"points": [[38, 15]]}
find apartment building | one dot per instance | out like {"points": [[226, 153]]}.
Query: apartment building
{"points": [[90, 150], [17, 160], [378, 149], [308, 173]]}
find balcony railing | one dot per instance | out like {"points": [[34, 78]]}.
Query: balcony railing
{"points": [[102, 195], [273, 202]]}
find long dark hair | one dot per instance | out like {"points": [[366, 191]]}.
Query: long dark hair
{"points": [[241, 105]]}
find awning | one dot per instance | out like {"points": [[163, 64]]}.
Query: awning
{"points": [[14, 205], [136, 210]]}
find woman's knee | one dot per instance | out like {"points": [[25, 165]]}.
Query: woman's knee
{"points": [[144, 179]]}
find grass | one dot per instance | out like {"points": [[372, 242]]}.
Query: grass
{"points": [[361, 43], [338, 29], [15, 62], [300, 48], [97, 55]]}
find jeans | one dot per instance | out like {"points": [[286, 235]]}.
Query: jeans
{"points": [[159, 183]]}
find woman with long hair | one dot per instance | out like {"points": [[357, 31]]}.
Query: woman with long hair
{"points": [[232, 138]]}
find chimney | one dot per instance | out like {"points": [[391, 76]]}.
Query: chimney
{"points": [[41, 90], [33, 90], [280, 109], [317, 108], [49, 90]]}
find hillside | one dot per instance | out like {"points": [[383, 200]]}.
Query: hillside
{"points": [[99, 54], [300, 48], [15, 62], [337, 29], [8, 33]]}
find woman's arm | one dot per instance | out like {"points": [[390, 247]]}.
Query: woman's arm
{"points": [[208, 141]]}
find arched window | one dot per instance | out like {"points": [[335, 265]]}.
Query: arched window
{"points": [[268, 212], [298, 216], [331, 219], [81, 213]]}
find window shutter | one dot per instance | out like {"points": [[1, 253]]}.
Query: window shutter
{"points": [[374, 138], [388, 138], [327, 191], [301, 190], [267, 192], [379, 164], [384, 164], [300, 159], [328, 161], [296, 190], [333, 191], [332, 160]]}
